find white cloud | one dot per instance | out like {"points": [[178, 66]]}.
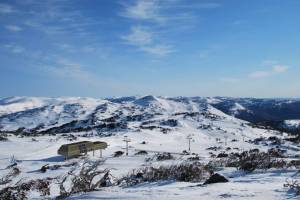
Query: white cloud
{"points": [[67, 68], [269, 62], [144, 40], [260, 74], [276, 69], [161, 11], [5, 8], [144, 10], [13, 48], [159, 50], [138, 36], [13, 28], [280, 68], [165, 16]]}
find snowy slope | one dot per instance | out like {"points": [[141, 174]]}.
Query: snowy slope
{"points": [[292, 124], [154, 124]]}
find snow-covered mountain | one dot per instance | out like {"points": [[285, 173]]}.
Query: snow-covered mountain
{"points": [[207, 129], [57, 115], [74, 114]]}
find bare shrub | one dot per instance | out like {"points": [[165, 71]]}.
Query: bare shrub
{"points": [[194, 158], [21, 189], [3, 138], [162, 156], [89, 178], [251, 160], [142, 152], [8, 178], [293, 185], [118, 153], [294, 163], [187, 172]]}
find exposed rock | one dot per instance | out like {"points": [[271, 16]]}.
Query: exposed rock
{"points": [[216, 178]]}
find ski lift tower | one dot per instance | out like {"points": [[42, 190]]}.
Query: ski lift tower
{"points": [[189, 138], [126, 140]]}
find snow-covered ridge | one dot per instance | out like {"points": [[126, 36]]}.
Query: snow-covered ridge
{"points": [[74, 113], [65, 114], [292, 124]]}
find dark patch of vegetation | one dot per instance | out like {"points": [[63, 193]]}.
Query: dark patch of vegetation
{"points": [[186, 172], [163, 156], [8, 177], [293, 185], [216, 178], [3, 137], [89, 178], [46, 167], [162, 129], [254, 159], [118, 153], [142, 152], [21, 189], [222, 155], [169, 122], [295, 139], [185, 152], [214, 148], [194, 158]]}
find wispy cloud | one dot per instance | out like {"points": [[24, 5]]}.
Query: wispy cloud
{"points": [[6, 8], [13, 28], [13, 48], [138, 36], [276, 69], [280, 68], [143, 39], [269, 62], [160, 11], [159, 16], [66, 68], [144, 10], [159, 50], [260, 74]]}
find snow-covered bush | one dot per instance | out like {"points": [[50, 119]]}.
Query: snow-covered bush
{"points": [[21, 189], [88, 178], [118, 153], [142, 152], [3, 137], [254, 159], [293, 185], [186, 172], [8, 178], [163, 156]]}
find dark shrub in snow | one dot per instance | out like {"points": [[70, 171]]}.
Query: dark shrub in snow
{"points": [[163, 156], [293, 185], [118, 153], [21, 189], [216, 178], [222, 155], [187, 172], [3, 138], [142, 152], [253, 159], [89, 178]]}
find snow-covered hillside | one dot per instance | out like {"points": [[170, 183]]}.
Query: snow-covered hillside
{"points": [[55, 115], [36, 127], [292, 124]]}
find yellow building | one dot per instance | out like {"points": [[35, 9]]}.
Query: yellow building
{"points": [[78, 148]]}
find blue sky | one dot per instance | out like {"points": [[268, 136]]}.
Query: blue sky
{"points": [[104, 48]]}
